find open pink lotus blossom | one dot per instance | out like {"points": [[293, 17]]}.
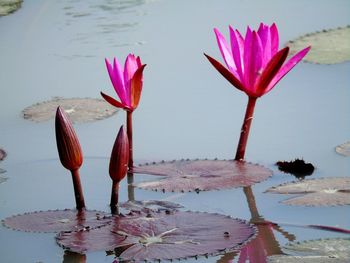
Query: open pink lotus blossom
{"points": [[127, 83], [254, 63]]}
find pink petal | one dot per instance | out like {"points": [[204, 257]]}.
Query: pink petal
{"points": [[237, 47], [252, 59], [119, 80], [288, 66], [265, 36], [270, 71], [274, 39], [131, 65], [225, 51]]}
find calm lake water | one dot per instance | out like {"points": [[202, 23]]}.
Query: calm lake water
{"points": [[187, 110]]}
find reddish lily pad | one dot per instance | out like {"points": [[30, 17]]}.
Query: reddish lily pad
{"points": [[316, 192], [79, 109], [343, 149], [2, 154], [328, 47], [202, 175], [162, 236], [54, 221]]}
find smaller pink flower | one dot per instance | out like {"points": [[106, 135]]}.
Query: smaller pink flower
{"points": [[127, 83], [254, 63]]}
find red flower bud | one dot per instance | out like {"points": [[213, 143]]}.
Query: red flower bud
{"points": [[118, 165], [68, 145]]}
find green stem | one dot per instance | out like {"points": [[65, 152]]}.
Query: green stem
{"points": [[129, 132], [245, 129]]}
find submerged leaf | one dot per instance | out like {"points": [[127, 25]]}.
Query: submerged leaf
{"points": [[317, 192], [57, 220], [79, 109], [328, 47], [161, 236], [202, 175], [343, 149]]}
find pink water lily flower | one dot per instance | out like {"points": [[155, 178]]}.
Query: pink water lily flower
{"points": [[255, 66], [254, 63], [127, 83]]}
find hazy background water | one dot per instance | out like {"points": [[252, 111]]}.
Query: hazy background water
{"points": [[187, 110]]}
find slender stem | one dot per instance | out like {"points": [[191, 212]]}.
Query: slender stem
{"points": [[131, 188], [245, 129], [129, 132], [251, 203], [78, 192], [115, 197]]}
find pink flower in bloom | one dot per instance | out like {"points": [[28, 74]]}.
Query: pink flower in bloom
{"points": [[127, 83], [254, 63]]}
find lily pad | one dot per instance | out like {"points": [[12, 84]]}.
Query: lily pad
{"points": [[2, 154], [54, 221], [79, 109], [201, 175], [150, 205], [9, 6], [328, 47], [343, 149], [322, 250], [162, 236], [316, 192]]}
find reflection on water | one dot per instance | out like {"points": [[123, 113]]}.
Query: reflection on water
{"points": [[108, 18]]}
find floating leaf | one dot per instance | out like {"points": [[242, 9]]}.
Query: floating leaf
{"points": [[343, 149], [147, 205], [315, 251], [328, 47], [2, 154], [9, 6], [162, 235], [57, 220], [317, 192], [202, 175], [78, 109]]}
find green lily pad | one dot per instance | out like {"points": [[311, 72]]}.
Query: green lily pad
{"points": [[327, 47], [9, 6], [315, 251], [316, 192], [79, 109], [343, 149]]}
